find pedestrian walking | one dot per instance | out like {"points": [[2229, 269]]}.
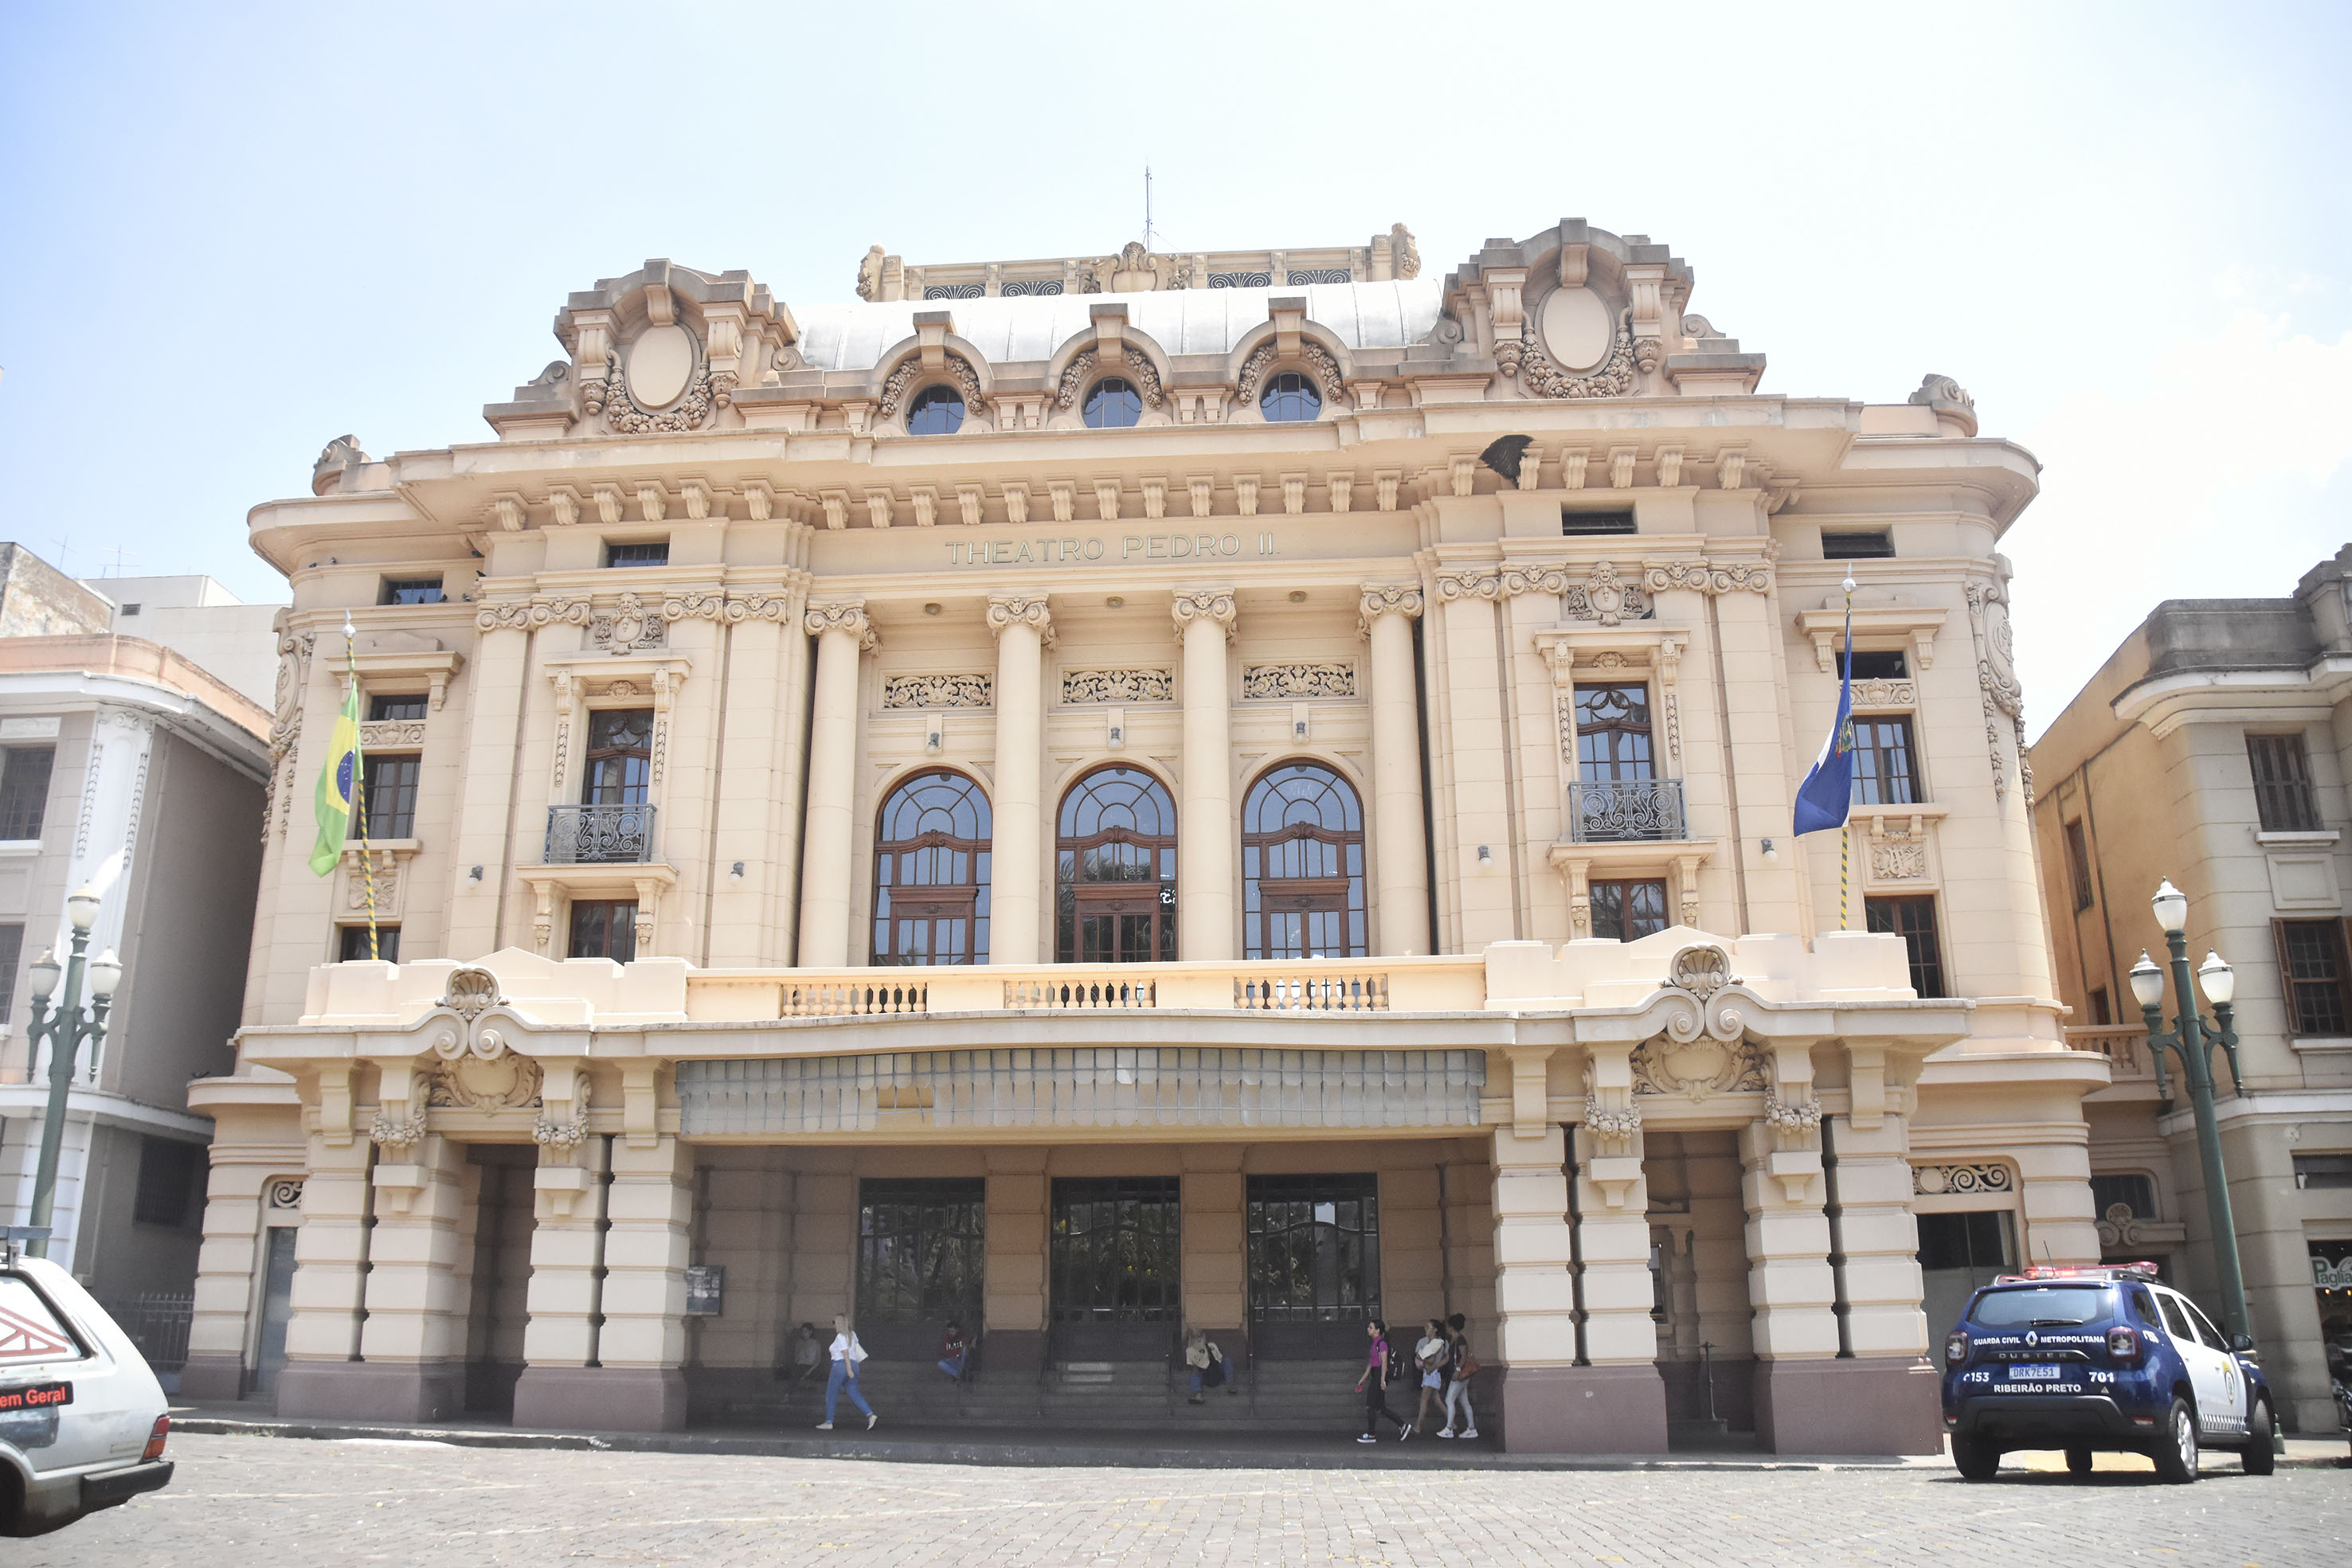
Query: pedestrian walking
{"points": [[1461, 1367], [1374, 1385], [952, 1350], [846, 1353], [1430, 1358], [1204, 1363]]}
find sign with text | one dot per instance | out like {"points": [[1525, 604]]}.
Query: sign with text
{"points": [[706, 1289]]}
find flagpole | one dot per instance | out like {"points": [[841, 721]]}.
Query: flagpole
{"points": [[1845, 829], [358, 788]]}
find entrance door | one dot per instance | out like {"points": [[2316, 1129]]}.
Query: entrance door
{"points": [[1314, 1264], [277, 1308], [1115, 1250], [921, 1244]]}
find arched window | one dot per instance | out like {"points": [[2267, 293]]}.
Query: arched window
{"points": [[930, 872], [1115, 870], [936, 411], [1113, 404], [1288, 398], [1303, 865]]}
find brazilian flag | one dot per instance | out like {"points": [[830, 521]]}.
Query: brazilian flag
{"points": [[339, 783]]}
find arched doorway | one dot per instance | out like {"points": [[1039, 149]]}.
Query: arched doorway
{"points": [[1115, 870]]}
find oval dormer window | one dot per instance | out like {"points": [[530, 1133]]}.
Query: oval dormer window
{"points": [[661, 362], [936, 411], [1288, 398]]}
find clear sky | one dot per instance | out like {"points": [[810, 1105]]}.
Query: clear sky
{"points": [[230, 232]]}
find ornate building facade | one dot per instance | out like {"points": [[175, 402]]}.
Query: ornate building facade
{"points": [[1095, 795]]}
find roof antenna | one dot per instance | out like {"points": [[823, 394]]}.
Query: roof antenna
{"points": [[1147, 207]]}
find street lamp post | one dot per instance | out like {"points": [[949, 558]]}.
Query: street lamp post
{"points": [[65, 1027], [2193, 1039]]}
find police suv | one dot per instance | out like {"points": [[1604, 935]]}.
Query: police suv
{"points": [[82, 1419], [2099, 1358]]}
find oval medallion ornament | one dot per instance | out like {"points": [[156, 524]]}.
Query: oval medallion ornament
{"points": [[661, 361], [1575, 329]]}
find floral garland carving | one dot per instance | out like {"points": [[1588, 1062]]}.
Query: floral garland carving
{"points": [[1610, 1126], [960, 371], [1318, 359], [938, 691], [1526, 359], [611, 394], [1783, 1117], [1082, 370], [1708, 576], [1320, 678], [1112, 689]]}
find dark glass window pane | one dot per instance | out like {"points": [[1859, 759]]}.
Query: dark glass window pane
{"points": [[620, 756], [1873, 666], [1116, 854], [2078, 864], [2100, 1012], [1914, 920], [936, 411], [1860, 544], [655, 553], [1288, 398], [604, 928], [11, 952], [1572, 521], [931, 871], [1613, 734], [351, 943], [25, 790], [1302, 865], [920, 1250], [411, 590], [388, 796], [2312, 953], [170, 1181], [1115, 1249], [1113, 404], [2283, 793], [1314, 1247], [1627, 911], [2136, 1193], [404, 707], [1883, 773]]}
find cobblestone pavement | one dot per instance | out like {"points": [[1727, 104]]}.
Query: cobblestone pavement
{"points": [[261, 1502]]}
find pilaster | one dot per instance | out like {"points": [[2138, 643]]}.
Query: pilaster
{"points": [[330, 1257], [842, 634], [1400, 835], [495, 685], [1023, 625], [1207, 854]]}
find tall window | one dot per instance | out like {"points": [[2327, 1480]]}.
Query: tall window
{"points": [[1613, 734], [1627, 911], [12, 954], [171, 1176], [1113, 404], [1115, 1248], [1290, 398], [1914, 920], [930, 872], [604, 928], [2283, 784], [1883, 773], [1314, 1255], [1114, 870], [620, 756], [2311, 960], [1303, 865], [919, 1248], [25, 790], [2078, 864], [389, 796]]}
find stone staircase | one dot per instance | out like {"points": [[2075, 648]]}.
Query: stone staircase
{"points": [[1106, 1395]]}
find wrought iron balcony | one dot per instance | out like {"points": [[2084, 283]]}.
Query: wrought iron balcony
{"points": [[600, 835], [1625, 810]]}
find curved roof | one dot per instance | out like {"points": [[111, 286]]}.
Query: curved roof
{"points": [[853, 337]]}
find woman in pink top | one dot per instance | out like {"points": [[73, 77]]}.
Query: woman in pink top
{"points": [[1374, 1385]]}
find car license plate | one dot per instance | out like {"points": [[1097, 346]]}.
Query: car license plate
{"points": [[2042, 1373]]}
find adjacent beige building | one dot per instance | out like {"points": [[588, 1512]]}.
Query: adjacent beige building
{"points": [[2214, 747], [1095, 794]]}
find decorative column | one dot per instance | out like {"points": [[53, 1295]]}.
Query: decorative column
{"points": [[842, 633], [761, 732], [1023, 625], [330, 1257], [1468, 754], [1205, 852], [641, 1352], [232, 1252], [1788, 1276], [494, 698], [1399, 839], [558, 1386], [1887, 1391]]}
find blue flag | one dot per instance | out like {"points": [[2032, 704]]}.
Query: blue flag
{"points": [[1827, 790]]}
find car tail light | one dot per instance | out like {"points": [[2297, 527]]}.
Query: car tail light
{"points": [[2123, 1343], [155, 1439], [1955, 1347]]}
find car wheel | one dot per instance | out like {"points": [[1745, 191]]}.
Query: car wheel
{"points": [[2176, 1452], [1975, 1458], [2257, 1455], [2078, 1461]]}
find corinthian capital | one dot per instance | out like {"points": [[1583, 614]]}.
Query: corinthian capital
{"points": [[842, 615], [1021, 610], [1387, 599], [1211, 604]]}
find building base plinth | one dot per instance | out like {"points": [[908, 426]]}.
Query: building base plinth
{"points": [[1583, 1410], [373, 1390], [1879, 1404], [212, 1378], [602, 1398]]}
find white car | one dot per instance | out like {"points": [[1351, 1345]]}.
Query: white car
{"points": [[83, 1419]]}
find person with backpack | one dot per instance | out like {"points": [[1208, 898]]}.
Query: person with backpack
{"points": [[1374, 1385], [1462, 1366], [846, 1353]]}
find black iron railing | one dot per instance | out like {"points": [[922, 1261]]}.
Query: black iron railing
{"points": [[1625, 809], [600, 835]]}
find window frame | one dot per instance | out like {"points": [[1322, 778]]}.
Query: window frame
{"points": [[1849, 544], [936, 394], [1290, 384], [378, 700], [1132, 397], [1923, 965], [1341, 892], [1908, 781], [575, 908], [1071, 892], [2078, 864], [2286, 802], [2299, 1025], [966, 902], [387, 944], [616, 561], [394, 591], [403, 795], [10, 825], [592, 755], [186, 1184], [1626, 884], [11, 964]]}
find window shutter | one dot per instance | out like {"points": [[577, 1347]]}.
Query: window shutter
{"points": [[2287, 977]]}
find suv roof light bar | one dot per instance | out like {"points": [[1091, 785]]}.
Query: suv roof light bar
{"points": [[2108, 1271]]}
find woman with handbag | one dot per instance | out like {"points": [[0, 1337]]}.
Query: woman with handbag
{"points": [[846, 1353], [1462, 1367]]}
